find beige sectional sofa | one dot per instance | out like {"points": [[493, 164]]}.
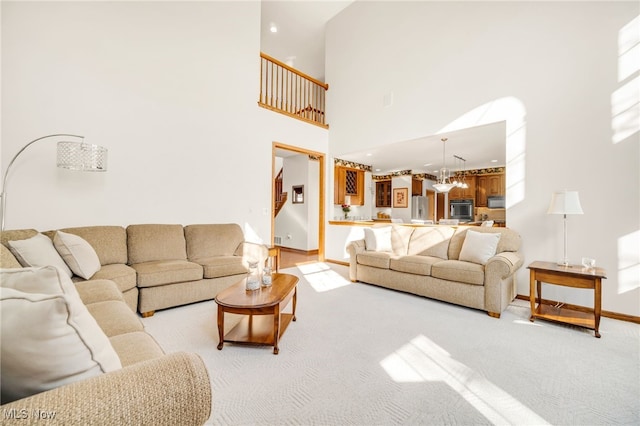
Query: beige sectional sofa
{"points": [[143, 268], [476, 269], [158, 266]]}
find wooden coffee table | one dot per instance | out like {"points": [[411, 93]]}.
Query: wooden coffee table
{"points": [[265, 322]]}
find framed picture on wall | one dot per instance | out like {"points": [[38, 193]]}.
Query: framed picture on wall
{"points": [[400, 197]]}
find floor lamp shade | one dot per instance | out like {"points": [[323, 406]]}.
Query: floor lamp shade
{"points": [[72, 155], [564, 203], [82, 156]]}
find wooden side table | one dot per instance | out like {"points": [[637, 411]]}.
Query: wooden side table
{"points": [[274, 251], [568, 276]]}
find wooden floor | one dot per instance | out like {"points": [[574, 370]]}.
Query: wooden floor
{"points": [[290, 258]]}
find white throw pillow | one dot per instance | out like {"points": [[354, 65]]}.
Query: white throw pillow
{"points": [[41, 280], [77, 254], [37, 251], [479, 247], [48, 339], [378, 239]]}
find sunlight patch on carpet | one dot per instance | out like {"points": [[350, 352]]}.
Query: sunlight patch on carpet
{"points": [[321, 277], [523, 322], [422, 360]]}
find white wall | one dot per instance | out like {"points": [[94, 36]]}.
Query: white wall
{"points": [[297, 223], [163, 88], [550, 70]]}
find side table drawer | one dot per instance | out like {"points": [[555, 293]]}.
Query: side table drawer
{"points": [[565, 280]]}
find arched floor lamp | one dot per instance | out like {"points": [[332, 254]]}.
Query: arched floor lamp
{"points": [[72, 155]]}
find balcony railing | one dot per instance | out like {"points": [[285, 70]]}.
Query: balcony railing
{"points": [[288, 91]]}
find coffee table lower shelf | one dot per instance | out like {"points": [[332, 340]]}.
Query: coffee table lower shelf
{"points": [[564, 315], [257, 330]]}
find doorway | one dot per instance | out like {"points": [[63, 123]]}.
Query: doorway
{"points": [[299, 232]]}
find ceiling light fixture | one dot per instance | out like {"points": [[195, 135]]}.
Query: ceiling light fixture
{"points": [[444, 179], [462, 183], [273, 28]]}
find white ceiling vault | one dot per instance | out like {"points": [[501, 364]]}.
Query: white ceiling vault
{"points": [[300, 42]]}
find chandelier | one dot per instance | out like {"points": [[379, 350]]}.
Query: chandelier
{"points": [[462, 174], [444, 183]]}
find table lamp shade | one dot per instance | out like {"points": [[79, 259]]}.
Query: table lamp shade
{"points": [[565, 202]]}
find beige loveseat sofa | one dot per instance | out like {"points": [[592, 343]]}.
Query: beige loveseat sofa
{"points": [[146, 387], [441, 262], [158, 266]]}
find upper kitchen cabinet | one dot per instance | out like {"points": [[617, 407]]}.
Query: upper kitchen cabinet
{"points": [[491, 185], [383, 193], [348, 182], [464, 193], [416, 187]]}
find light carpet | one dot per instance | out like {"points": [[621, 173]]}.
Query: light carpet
{"points": [[364, 355]]}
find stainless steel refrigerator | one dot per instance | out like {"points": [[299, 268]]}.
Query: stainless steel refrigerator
{"points": [[419, 207]]}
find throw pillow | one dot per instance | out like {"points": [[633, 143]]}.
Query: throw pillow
{"points": [[37, 251], [48, 339], [378, 239], [479, 247], [77, 253]]}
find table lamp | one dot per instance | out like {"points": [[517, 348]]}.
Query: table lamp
{"points": [[564, 203]]}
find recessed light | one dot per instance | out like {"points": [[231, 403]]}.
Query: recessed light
{"points": [[494, 161], [273, 28], [427, 165], [377, 170], [369, 154]]}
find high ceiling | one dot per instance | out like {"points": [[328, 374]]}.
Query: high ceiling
{"points": [[300, 41]]}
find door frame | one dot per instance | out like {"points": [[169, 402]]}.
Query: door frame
{"points": [[321, 190]]}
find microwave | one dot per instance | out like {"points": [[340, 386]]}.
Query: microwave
{"points": [[495, 202]]}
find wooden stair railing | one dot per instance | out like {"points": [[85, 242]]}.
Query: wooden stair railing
{"points": [[288, 91], [280, 197]]}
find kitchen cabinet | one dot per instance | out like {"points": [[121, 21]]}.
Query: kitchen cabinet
{"points": [[464, 193], [416, 186], [490, 185], [348, 182], [383, 193]]}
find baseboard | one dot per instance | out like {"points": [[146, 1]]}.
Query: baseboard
{"points": [[608, 314], [303, 252], [337, 262]]}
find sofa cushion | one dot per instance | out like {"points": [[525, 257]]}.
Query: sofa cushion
{"points": [[114, 317], [430, 241], [460, 271], [49, 338], [378, 239], [479, 247], [109, 242], [377, 259], [167, 272], [16, 235], [7, 259], [416, 264], [135, 347], [206, 241], [150, 243], [400, 237], [222, 266], [123, 275], [77, 253], [38, 251]]}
